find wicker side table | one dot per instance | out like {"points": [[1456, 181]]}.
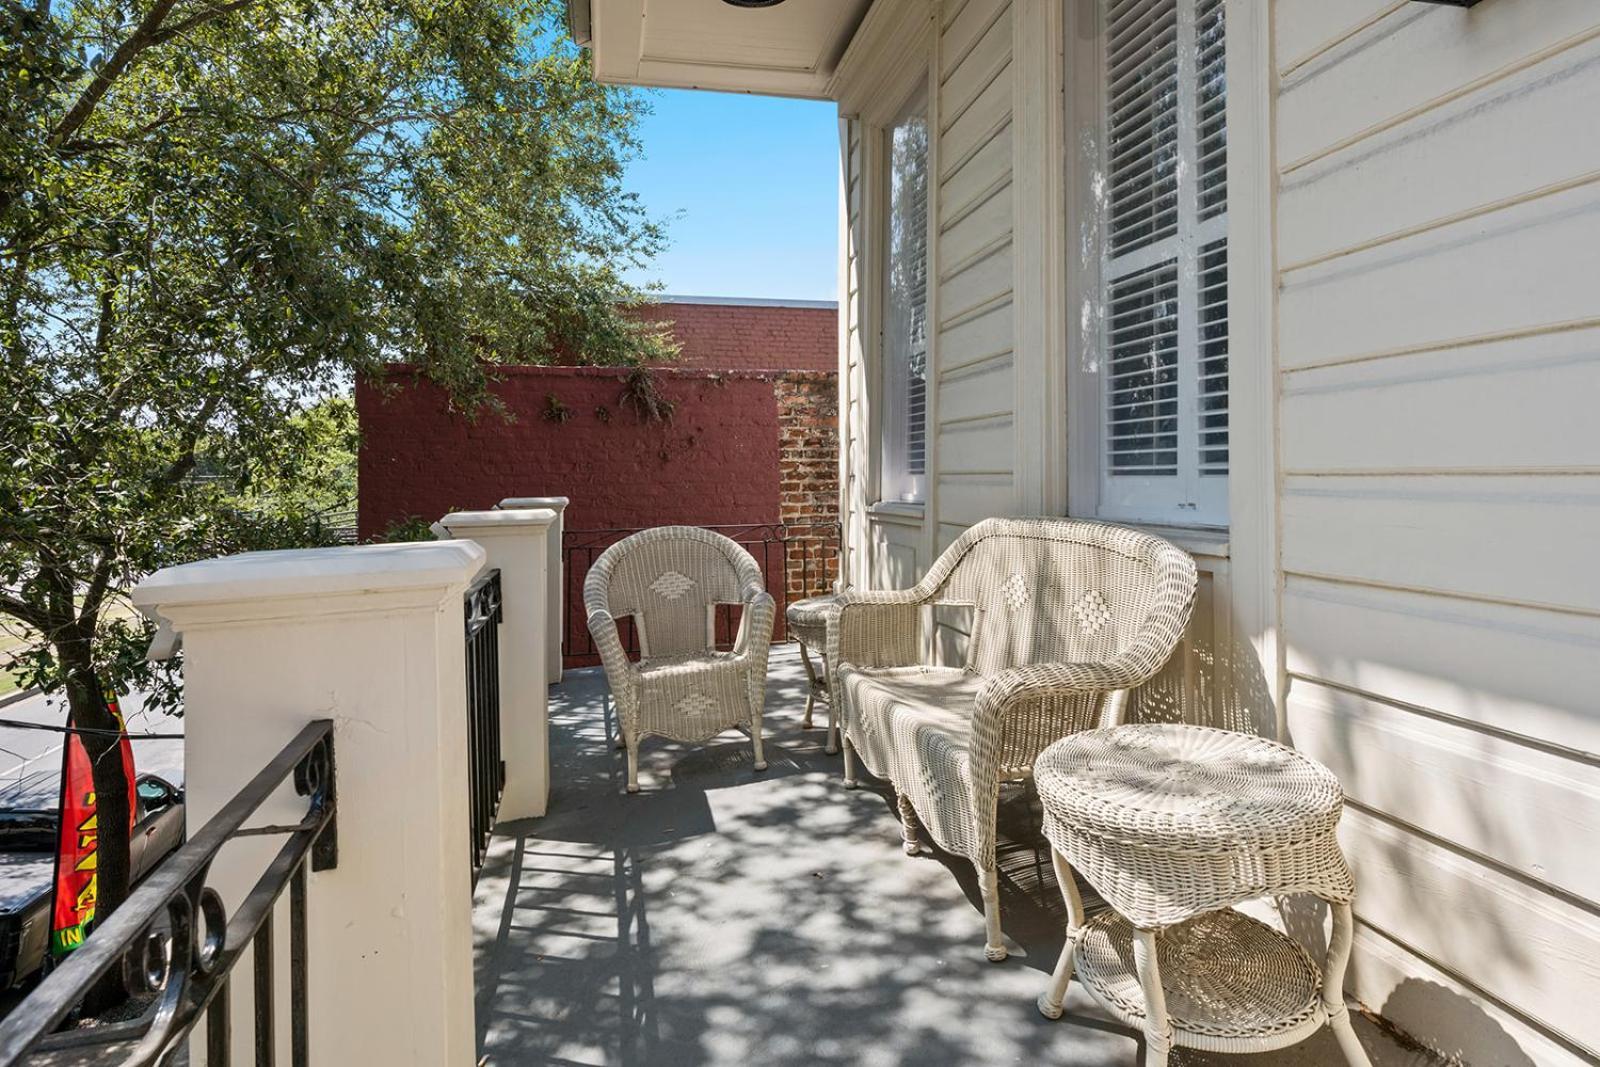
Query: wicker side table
{"points": [[808, 624], [1172, 825]]}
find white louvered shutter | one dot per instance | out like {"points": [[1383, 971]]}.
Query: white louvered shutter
{"points": [[1165, 276]]}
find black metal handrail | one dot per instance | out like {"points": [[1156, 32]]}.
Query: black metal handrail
{"points": [[797, 560], [486, 769], [174, 942]]}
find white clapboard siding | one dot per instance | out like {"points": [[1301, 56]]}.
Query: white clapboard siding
{"points": [[1378, 78], [1523, 540], [965, 500], [856, 458], [984, 175], [1410, 175], [977, 390], [978, 446], [976, 127], [1461, 1021], [984, 231], [974, 373], [1519, 269], [1526, 404], [1517, 672], [1536, 812], [1307, 28], [968, 71], [1438, 241], [1528, 949]]}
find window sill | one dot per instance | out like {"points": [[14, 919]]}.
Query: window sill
{"points": [[903, 512], [1209, 541]]}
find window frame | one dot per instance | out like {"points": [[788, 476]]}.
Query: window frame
{"points": [[897, 484], [1188, 498]]}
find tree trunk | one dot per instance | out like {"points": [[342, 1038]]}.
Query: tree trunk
{"points": [[113, 857]]}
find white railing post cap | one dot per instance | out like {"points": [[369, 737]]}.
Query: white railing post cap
{"points": [[554, 503], [312, 572], [474, 524]]}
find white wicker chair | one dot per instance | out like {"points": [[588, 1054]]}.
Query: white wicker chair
{"points": [[1065, 617], [670, 581]]}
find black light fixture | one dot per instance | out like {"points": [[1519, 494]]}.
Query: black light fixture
{"points": [[1451, 3], [770, 3]]}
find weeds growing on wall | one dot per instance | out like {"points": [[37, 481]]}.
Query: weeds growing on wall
{"points": [[641, 390]]}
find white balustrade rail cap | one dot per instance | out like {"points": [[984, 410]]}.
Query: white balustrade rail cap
{"points": [[555, 503], [457, 523], [312, 572]]}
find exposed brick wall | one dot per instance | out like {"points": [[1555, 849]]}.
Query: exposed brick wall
{"points": [[808, 463], [751, 337]]}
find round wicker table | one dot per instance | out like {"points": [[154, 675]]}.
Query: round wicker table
{"points": [[808, 624], [1172, 825]]}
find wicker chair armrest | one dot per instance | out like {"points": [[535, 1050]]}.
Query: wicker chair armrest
{"points": [[879, 629], [622, 674], [755, 633], [1023, 710]]}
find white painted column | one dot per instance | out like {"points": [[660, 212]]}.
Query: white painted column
{"points": [[556, 575], [516, 543], [370, 637]]}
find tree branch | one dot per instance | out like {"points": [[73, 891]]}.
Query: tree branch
{"points": [[96, 593], [129, 50], [24, 612], [177, 29]]}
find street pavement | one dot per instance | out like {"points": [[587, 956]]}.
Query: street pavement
{"points": [[24, 751]]}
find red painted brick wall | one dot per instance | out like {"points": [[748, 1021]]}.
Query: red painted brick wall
{"points": [[751, 337], [715, 463], [741, 449]]}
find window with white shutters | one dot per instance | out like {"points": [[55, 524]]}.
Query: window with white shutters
{"points": [[1163, 270], [905, 318]]}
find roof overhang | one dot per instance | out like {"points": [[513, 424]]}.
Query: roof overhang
{"points": [[791, 49]]}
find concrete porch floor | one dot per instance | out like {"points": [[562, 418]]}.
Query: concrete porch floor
{"points": [[724, 917]]}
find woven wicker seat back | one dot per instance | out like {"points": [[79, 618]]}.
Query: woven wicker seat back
{"points": [[668, 582], [1053, 592]]}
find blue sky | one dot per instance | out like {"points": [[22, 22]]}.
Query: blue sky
{"points": [[749, 189]]}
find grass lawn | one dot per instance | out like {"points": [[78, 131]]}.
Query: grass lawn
{"points": [[8, 641]]}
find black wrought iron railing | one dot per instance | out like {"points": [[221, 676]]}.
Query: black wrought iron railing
{"points": [[798, 560], [486, 770], [174, 946]]}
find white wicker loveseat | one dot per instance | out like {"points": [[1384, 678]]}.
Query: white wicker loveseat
{"points": [[1064, 616], [670, 580]]}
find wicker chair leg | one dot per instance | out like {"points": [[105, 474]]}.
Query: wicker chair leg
{"points": [[994, 946], [1157, 1026], [849, 763], [755, 743], [1333, 987], [633, 766], [908, 827], [833, 728]]}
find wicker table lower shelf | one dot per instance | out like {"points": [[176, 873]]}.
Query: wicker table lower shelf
{"points": [[1226, 978]]}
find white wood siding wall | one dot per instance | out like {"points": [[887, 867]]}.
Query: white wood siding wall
{"points": [[854, 455], [1438, 249], [974, 370]]}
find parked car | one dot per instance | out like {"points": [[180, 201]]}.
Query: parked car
{"points": [[29, 826]]}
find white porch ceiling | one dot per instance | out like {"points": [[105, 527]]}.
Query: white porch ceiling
{"points": [[787, 50]]}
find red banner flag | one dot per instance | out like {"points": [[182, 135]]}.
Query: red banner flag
{"points": [[77, 853]]}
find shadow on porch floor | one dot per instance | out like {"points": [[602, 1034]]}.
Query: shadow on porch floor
{"points": [[724, 917]]}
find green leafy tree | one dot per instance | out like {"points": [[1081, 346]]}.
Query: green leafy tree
{"points": [[213, 215]]}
